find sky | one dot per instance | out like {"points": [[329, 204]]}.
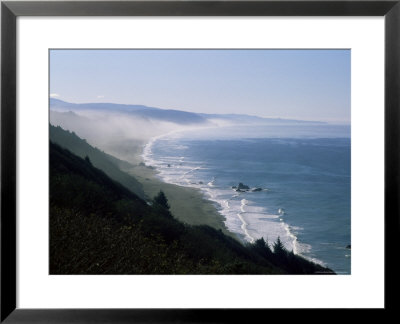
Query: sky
{"points": [[295, 84]]}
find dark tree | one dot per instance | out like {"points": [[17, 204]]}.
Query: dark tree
{"points": [[261, 244], [88, 160], [262, 247], [279, 248], [161, 200]]}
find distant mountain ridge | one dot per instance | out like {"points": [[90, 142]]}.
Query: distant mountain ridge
{"points": [[171, 115]]}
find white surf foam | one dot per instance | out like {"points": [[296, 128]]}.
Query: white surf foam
{"points": [[242, 216]]}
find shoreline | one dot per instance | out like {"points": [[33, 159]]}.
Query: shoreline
{"points": [[188, 205]]}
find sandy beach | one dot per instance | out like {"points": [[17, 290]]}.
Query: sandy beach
{"points": [[187, 204]]}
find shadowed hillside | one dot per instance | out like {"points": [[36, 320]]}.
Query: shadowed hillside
{"points": [[109, 164], [98, 226]]}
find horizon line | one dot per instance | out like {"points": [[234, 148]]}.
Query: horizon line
{"points": [[337, 122]]}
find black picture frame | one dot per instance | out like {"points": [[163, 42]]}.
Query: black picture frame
{"points": [[10, 10]]}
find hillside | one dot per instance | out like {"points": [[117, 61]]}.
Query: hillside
{"points": [[139, 111], [97, 226], [170, 115], [109, 164]]}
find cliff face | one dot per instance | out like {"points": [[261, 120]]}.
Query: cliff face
{"points": [[98, 226], [107, 163]]}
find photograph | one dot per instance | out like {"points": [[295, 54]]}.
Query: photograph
{"points": [[199, 161]]}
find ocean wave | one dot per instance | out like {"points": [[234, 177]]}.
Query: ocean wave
{"points": [[242, 216], [211, 183], [191, 170]]}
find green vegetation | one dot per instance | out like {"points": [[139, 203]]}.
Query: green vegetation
{"points": [[161, 200], [98, 226], [188, 205], [109, 164]]}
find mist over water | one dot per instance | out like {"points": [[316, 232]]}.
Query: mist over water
{"points": [[117, 133], [300, 172], [300, 175]]}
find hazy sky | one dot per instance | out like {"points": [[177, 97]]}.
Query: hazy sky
{"points": [[300, 84]]}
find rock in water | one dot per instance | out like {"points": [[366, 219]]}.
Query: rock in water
{"points": [[242, 186]]}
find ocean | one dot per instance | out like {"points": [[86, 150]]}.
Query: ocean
{"points": [[299, 180]]}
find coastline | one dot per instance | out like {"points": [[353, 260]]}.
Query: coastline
{"points": [[187, 204], [190, 205]]}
